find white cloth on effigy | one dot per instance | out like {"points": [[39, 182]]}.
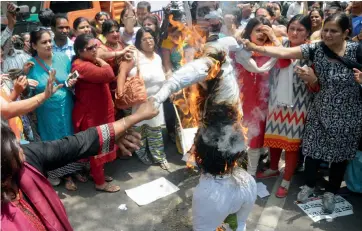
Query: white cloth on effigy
{"points": [[217, 197]]}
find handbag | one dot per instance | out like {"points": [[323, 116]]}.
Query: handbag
{"points": [[134, 90]]}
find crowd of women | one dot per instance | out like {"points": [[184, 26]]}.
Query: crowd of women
{"points": [[303, 95]]}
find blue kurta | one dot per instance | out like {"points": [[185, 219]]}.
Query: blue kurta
{"points": [[55, 114]]}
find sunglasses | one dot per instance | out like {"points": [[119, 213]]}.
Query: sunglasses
{"points": [[91, 48], [41, 28]]}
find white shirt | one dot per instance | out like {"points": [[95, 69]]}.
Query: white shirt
{"points": [[128, 39], [294, 9], [153, 76]]}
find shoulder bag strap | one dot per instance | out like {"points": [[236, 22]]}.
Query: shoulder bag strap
{"points": [[347, 62], [45, 68]]}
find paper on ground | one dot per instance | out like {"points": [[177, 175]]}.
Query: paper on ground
{"points": [[122, 207], [313, 208], [149, 192], [261, 190]]}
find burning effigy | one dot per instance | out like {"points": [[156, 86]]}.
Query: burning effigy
{"points": [[220, 140]]}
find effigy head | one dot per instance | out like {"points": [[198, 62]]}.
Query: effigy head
{"points": [[215, 51]]}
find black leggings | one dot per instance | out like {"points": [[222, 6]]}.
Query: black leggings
{"points": [[336, 174]]}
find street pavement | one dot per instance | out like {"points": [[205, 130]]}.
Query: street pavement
{"points": [[89, 209]]}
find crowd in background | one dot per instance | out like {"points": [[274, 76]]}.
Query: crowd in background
{"points": [[318, 126]]}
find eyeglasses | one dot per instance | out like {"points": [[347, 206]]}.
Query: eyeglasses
{"points": [[91, 48]]}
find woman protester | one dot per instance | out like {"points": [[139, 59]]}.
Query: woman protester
{"points": [[128, 27], [151, 21], [99, 19], [28, 201], [12, 110], [113, 50], [333, 128], [149, 66], [93, 104], [285, 123], [316, 17], [254, 87], [81, 25], [54, 116]]}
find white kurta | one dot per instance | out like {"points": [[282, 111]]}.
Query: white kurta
{"points": [[153, 76]]}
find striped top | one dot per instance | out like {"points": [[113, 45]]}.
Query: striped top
{"points": [[16, 60]]}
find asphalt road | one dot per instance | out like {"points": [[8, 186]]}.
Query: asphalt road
{"points": [[90, 210]]}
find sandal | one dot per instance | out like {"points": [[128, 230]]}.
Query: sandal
{"points": [[109, 188], [81, 178], [70, 185], [108, 178], [165, 165]]}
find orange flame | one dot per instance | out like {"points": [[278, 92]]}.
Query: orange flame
{"points": [[189, 100]]}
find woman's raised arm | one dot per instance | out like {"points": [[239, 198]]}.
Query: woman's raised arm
{"points": [[277, 52]]}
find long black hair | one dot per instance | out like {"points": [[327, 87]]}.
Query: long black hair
{"points": [[35, 36], [10, 163], [302, 19], [253, 23], [100, 14], [108, 25], [320, 12], [78, 21], [140, 34], [80, 43]]}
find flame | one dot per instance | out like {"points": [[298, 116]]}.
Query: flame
{"points": [[189, 100], [193, 37]]}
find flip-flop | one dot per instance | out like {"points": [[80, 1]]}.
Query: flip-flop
{"points": [[109, 188], [70, 185]]}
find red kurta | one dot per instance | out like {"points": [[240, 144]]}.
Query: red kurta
{"points": [[93, 104], [254, 93]]}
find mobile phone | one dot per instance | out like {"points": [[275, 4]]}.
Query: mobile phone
{"points": [[73, 75]]}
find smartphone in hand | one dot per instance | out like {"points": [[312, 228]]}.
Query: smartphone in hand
{"points": [[71, 76]]}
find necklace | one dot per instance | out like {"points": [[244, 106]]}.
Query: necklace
{"points": [[112, 46]]}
